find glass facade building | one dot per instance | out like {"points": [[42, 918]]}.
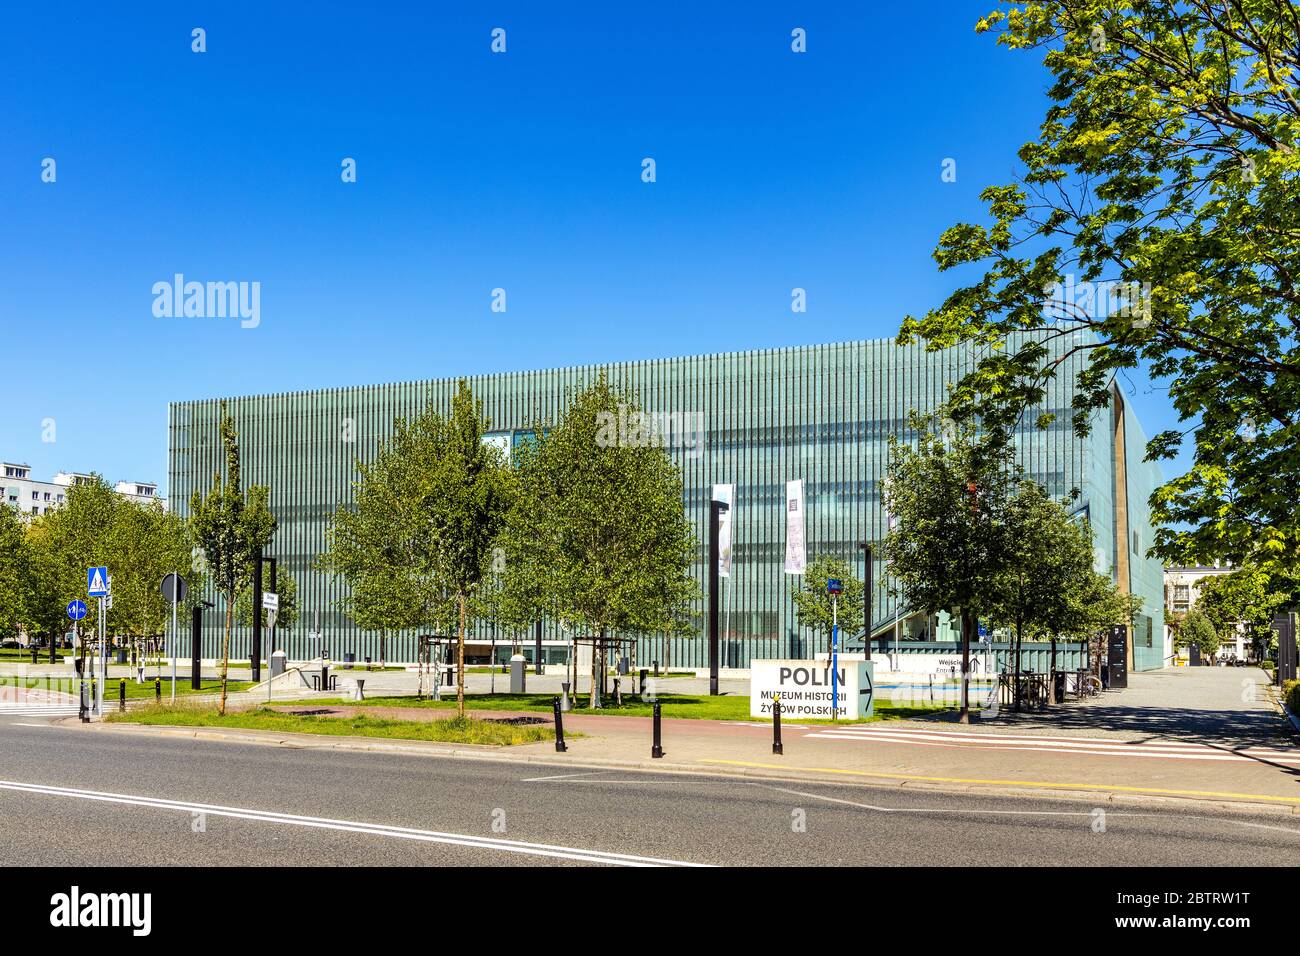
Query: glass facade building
{"points": [[823, 413]]}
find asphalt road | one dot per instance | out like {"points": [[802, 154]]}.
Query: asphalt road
{"points": [[83, 798]]}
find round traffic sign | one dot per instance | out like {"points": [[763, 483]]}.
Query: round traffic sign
{"points": [[174, 588], [76, 610]]}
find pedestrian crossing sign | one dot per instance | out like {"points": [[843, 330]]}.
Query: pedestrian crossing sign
{"points": [[97, 582]]}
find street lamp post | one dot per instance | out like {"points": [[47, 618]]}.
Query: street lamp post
{"points": [[866, 603], [716, 508]]}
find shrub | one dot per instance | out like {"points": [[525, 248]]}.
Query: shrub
{"points": [[1291, 694]]}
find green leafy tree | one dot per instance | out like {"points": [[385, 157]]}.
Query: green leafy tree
{"points": [[1154, 228], [812, 603], [599, 536], [45, 595], [1047, 562], [949, 548], [15, 571], [1245, 597], [230, 526], [287, 615], [418, 540], [68, 540], [144, 544], [1197, 630]]}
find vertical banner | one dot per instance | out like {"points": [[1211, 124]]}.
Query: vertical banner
{"points": [[795, 556], [727, 495]]}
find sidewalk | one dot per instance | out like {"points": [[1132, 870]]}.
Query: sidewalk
{"points": [[943, 755]]}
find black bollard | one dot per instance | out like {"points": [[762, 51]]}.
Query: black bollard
{"points": [[121, 695], [656, 668], [157, 690], [657, 749], [559, 728], [777, 747]]}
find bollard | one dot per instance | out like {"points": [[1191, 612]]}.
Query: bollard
{"points": [[777, 748], [157, 690], [81, 707], [559, 728], [121, 695], [656, 668], [657, 749]]}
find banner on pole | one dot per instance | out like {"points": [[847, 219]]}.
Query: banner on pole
{"points": [[795, 557], [727, 495]]}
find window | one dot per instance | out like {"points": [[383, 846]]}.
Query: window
{"points": [[36, 496]]}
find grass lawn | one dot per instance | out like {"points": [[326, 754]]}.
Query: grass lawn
{"points": [[25, 655], [452, 730], [134, 691], [700, 707]]}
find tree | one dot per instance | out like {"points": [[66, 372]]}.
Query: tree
{"points": [[1197, 630], [1162, 194], [1048, 560], [145, 543], [287, 615], [813, 604], [599, 534], [15, 571], [428, 511], [949, 548], [231, 527], [68, 540], [1246, 598]]}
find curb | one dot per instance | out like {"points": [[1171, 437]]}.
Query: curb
{"points": [[488, 753]]}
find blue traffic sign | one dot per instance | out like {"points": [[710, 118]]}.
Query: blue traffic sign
{"points": [[76, 610], [97, 582], [834, 586]]}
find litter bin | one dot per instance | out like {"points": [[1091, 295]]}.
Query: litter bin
{"points": [[517, 670], [121, 655], [1058, 686], [277, 663], [349, 658]]}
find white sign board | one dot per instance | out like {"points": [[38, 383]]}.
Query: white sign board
{"points": [[270, 601], [795, 556], [805, 689], [726, 494]]}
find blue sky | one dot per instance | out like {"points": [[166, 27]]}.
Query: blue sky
{"points": [[474, 171]]}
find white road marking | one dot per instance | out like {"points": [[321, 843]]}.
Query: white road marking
{"points": [[1030, 813], [374, 829], [563, 776], [1170, 749], [17, 724]]}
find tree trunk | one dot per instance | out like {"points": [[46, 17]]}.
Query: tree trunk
{"points": [[1015, 674], [596, 655], [225, 651], [963, 716], [460, 657], [1051, 675]]}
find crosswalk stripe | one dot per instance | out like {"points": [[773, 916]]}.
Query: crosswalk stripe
{"points": [[1169, 749]]}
